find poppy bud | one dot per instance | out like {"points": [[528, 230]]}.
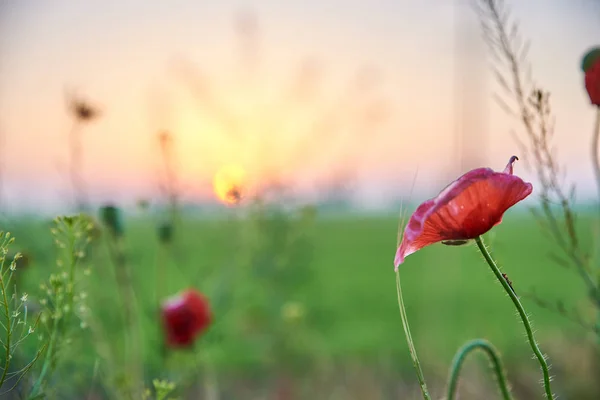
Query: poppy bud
{"points": [[111, 217]]}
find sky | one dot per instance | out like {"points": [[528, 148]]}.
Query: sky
{"points": [[316, 91]]}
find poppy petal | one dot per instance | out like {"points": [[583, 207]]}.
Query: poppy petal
{"points": [[465, 209]]}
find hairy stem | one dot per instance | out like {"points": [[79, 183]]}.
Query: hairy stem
{"points": [[494, 357], [411, 345], [596, 165], [595, 156], [530, 337]]}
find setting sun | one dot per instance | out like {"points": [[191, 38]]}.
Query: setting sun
{"points": [[228, 183]]}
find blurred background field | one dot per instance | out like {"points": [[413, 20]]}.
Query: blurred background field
{"points": [[340, 327], [262, 153]]}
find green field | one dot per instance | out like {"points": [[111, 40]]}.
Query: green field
{"points": [[343, 279]]}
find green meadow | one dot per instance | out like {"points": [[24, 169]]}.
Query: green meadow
{"points": [[328, 318]]}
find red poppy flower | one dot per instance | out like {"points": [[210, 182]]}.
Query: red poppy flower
{"points": [[592, 83], [591, 67], [184, 317], [466, 209]]}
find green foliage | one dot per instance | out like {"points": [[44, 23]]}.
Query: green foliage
{"points": [[162, 389], [277, 256], [345, 311], [15, 323], [64, 308]]}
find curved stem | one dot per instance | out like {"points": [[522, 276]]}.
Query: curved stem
{"points": [[507, 287], [411, 346], [494, 357]]}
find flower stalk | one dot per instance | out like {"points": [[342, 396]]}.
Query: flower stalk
{"points": [[411, 345], [526, 323], [494, 357], [594, 148]]}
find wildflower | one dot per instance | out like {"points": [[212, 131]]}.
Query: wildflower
{"points": [[20, 261], [591, 67], [184, 317], [464, 210]]}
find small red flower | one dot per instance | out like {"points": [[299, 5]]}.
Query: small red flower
{"points": [[592, 83], [184, 317], [590, 65], [466, 209]]}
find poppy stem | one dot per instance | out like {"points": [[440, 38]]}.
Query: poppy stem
{"points": [[534, 346], [494, 357], [594, 148], [411, 345]]}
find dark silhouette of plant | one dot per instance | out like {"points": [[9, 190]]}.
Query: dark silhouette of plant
{"points": [[82, 112]]}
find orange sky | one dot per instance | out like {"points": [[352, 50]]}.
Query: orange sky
{"points": [[144, 65]]}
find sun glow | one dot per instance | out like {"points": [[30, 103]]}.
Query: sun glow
{"points": [[228, 183]]}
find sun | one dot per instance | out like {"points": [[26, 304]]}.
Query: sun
{"points": [[228, 183]]}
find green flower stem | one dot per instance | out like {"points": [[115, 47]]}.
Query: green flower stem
{"points": [[594, 148], [596, 165], [494, 357], [411, 346], [522, 314]]}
